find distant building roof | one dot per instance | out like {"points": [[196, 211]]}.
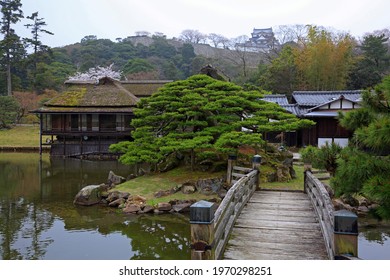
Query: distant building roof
{"points": [[262, 38], [316, 98], [257, 31]]}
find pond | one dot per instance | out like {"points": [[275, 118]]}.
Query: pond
{"points": [[39, 221]]}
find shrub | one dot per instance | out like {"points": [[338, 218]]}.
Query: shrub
{"points": [[354, 169], [8, 111], [324, 157], [309, 155]]}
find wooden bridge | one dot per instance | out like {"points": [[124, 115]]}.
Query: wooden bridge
{"points": [[251, 223]]}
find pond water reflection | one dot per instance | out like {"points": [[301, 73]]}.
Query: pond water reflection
{"points": [[374, 239], [39, 221]]}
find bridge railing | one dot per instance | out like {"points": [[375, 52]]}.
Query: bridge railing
{"points": [[230, 208], [210, 229], [339, 228]]}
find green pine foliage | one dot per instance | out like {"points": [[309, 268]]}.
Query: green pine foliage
{"points": [[201, 114], [362, 173], [324, 157], [366, 169], [8, 111]]}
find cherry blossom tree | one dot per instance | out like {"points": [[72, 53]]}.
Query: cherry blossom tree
{"points": [[97, 73]]}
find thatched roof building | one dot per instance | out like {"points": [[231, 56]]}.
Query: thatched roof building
{"points": [[89, 116]]}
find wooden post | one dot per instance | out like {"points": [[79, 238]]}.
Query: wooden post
{"points": [[256, 162], [40, 134], [202, 230], [231, 162], [345, 234]]}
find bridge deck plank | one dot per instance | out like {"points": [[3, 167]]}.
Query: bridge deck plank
{"points": [[277, 225]]}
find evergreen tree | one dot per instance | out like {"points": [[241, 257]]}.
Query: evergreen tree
{"points": [[9, 108], [372, 65], [37, 28], [11, 45], [199, 113], [367, 169]]}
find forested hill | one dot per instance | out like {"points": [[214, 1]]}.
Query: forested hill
{"points": [[318, 60], [137, 57], [156, 57]]}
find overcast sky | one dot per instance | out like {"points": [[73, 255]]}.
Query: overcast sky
{"points": [[71, 20]]}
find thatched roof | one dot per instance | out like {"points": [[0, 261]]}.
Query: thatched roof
{"points": [[106, 93], [104, 96], [143, 88]]}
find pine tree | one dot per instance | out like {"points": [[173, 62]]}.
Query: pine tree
{"points": [[373, 64], [11, 44], [39, 48], [367, 168], [199, 113]]}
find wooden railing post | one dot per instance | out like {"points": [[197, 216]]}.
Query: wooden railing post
{"points": [[256, 162], [202, 230], [231, 162], [345, 234]]}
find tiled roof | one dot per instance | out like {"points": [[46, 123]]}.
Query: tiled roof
{"points": [[280, 99], [294, 109], [315, 98]]}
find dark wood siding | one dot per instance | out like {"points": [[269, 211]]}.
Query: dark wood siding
{"points": [[324, 128]]}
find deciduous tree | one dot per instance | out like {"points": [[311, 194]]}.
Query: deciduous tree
{"points": [[95, 73], [325, 60], [192, 36]]}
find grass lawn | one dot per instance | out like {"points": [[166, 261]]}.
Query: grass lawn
{"points": [[149, 184], [20, 136], [295, 184]]}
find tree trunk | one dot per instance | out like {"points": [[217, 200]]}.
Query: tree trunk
{"points": [[9, 81], [192, 159]]}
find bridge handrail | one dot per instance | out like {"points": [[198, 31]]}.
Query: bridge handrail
{"points": [[230, 208], [324, 209]]}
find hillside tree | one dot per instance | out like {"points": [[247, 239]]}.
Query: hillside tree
{"points": [[192, 36], [325, 60], [11, 45], [39, 49], [373, 64], [218, 40]]}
